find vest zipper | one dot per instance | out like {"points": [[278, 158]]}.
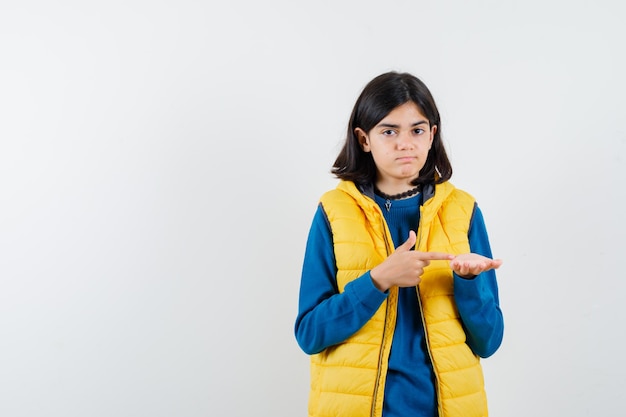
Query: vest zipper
{"points": [[430, 356], [382, 343], [419, 302]]}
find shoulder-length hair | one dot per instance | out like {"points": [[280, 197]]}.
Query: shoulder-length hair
{"points": [[379, 97]]}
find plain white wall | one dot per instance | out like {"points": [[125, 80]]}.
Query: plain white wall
{"points": [[160, 163]]}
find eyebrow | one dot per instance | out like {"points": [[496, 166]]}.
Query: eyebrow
{"points": [[391, 125]]}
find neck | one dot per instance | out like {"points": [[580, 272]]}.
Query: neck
{"points": [[398, 196]]}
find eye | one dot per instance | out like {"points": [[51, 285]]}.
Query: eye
{"points": [[418, 131], [388, 132]]}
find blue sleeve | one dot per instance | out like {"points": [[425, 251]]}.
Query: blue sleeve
{"points": [[477, 298], [325, 316]]}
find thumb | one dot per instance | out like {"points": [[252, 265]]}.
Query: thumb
{"points": [[408, 244]]}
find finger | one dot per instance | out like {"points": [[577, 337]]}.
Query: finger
{"points": [[458, 267], [434, 256], [408, 244], [491, 264]]}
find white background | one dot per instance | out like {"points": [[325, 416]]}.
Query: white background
{"points": [[160, 164]]}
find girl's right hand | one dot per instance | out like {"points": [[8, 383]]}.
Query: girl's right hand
{"points": [[404, 267]]}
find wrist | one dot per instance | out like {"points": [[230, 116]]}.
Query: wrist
{"points": [[381, 285]]}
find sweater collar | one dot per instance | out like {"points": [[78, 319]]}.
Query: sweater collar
{"points": [[428, 191]]}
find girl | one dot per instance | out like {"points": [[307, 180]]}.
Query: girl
{"points": [[397, 332]]}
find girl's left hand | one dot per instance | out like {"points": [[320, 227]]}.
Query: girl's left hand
{"points": [[469, 265]]}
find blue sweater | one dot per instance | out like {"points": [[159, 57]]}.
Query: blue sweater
{"points": [[326, 317]]}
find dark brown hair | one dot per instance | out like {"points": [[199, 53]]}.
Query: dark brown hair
{"points": [[379, 97]]}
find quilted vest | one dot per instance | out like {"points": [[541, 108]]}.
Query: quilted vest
{"points": [[348, 379]]}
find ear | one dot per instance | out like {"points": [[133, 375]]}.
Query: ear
{"points": [[364, 140]]}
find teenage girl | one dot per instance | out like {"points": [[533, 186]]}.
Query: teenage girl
{"points": [[398, 295]]}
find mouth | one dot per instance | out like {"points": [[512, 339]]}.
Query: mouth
{"points": [[405, 159]]}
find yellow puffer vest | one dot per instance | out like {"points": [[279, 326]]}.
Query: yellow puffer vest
{"points": [[348, 379]]}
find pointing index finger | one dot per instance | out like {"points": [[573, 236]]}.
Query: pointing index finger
{"points": [[435, 256]]}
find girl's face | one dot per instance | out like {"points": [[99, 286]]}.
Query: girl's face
{"points": [[399, 144]]}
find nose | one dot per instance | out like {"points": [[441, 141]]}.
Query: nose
{"points": [[405, 141]]}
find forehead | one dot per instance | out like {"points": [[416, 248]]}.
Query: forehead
{"points": [[407, 113]]}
